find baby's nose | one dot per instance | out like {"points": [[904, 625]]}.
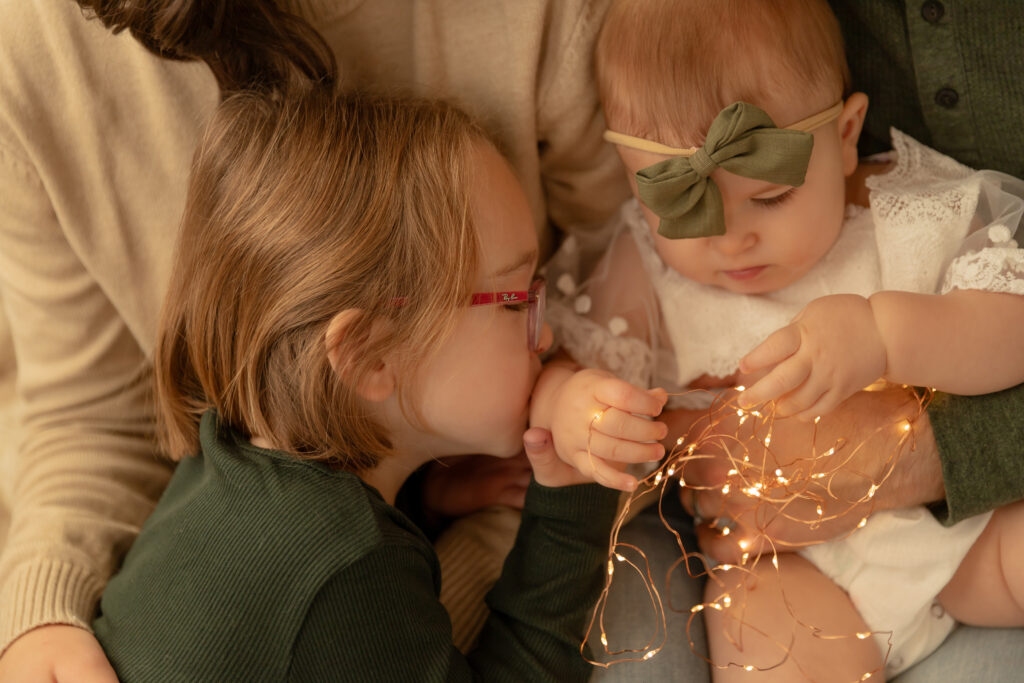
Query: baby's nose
{"points": [[735, 241]]}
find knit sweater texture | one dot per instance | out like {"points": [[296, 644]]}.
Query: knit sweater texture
{"points": [[259, 567]]}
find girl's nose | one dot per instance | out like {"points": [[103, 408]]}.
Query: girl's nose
{"points": [[547, 337]]}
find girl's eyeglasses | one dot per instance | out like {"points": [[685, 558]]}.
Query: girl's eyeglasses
{"points": [[534, 299]]}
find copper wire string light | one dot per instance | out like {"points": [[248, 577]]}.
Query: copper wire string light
{"points": [[777, 488]]}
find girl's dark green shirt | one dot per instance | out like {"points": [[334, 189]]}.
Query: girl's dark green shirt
{"points": [[258, 567]]}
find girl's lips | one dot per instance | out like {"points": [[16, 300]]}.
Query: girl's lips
{"points": [[745, 273]]}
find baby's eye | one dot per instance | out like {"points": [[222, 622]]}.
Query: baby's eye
{"points": [[769, 202]]}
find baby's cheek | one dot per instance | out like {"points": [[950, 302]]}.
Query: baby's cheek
{"points": [[677, 256]]}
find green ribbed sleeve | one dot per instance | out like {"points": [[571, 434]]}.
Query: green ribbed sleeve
{"points": [[258, 567]]}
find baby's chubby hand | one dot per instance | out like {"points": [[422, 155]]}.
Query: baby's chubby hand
{"points": [[599, 423], [830, 351]]}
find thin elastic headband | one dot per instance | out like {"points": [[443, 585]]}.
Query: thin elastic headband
{"points": [[805, 125]]}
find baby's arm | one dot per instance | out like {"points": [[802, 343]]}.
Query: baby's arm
{"points": [[595, 422], [568, 397], [961, 342]]}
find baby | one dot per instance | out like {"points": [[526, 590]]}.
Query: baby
{"points": [[745, 233]]}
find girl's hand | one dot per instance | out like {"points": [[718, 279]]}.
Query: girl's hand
{"points": [[56, 654], [597, 427], [464, 484], [830, 351]]}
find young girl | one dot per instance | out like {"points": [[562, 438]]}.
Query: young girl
{"points": [[103, 104], [739, 226], [352, 296]]}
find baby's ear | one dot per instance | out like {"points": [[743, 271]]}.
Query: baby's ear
{"points": [[376, 385], [851, 122]]}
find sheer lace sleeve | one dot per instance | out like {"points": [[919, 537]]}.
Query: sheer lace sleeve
{"points": [[601, 306], [941, 226], [990, 257]]}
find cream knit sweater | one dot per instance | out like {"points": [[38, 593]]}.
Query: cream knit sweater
{"points": [[96, 136]]}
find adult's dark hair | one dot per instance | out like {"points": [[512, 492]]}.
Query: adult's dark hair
{"points": [[248, 44]]}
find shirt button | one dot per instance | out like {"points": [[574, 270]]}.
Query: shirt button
{"points": [[947, 97], [932, 11], [937, 610]]}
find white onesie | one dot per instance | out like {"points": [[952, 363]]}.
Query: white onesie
{"points": [[934, 225]]}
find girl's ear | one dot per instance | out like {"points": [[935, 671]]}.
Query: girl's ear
{"points": [[378, 384], [851, 122]]}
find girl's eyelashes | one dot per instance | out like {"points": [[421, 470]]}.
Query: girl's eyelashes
{"points": [[769, 202], [519, 307]]}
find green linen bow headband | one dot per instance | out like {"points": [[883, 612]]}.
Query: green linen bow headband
{"points": [[742, 140]]}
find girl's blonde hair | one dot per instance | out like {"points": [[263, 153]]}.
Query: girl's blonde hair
{"points": [[301, 207], [666, 68]]}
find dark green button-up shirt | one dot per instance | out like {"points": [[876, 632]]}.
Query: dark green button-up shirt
{"points": [[950, 73]]}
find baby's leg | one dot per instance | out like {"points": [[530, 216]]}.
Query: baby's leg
{"points": [[814, 600], [988, 588]]}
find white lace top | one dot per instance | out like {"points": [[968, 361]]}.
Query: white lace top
{"points": [[933, 225]]}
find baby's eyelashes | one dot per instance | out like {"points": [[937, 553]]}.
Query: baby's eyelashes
{"points": [[774, 200]]}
